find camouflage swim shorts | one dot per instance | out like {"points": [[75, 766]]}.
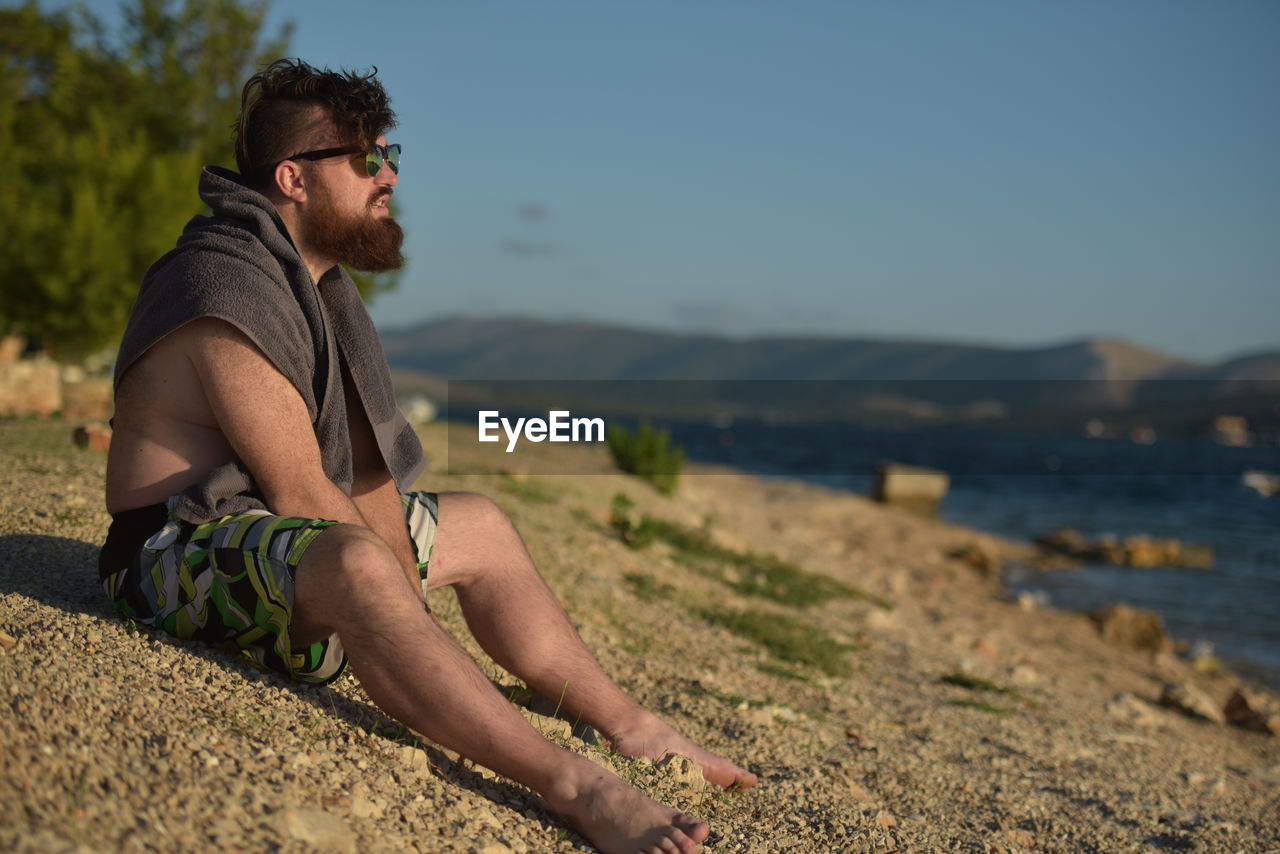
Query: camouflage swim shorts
{"points": [[230, 582]]}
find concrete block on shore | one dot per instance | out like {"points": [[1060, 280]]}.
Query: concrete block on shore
{"points": [[1137, 628], [913, 488]]}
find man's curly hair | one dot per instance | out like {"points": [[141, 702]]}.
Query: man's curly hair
{"points": [[278, 116]]}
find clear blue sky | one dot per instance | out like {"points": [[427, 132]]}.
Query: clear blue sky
{"points": [[1019, 172]]}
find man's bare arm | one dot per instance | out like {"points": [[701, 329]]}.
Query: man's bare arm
{"points": [[374, 491], [265, 420]]}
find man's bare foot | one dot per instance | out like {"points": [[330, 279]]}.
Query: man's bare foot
{"points": [[652, 738], [618, 819]]}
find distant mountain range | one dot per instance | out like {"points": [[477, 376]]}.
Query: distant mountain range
{"points": [[919, 379]]}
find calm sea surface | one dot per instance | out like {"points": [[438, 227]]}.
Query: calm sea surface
{"points": [[1023, 485]]}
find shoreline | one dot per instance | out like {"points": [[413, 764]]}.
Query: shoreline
{"points": [[1021, 576], [953, 719]]}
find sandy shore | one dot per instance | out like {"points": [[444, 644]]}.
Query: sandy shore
{"points": [[951, 720]]}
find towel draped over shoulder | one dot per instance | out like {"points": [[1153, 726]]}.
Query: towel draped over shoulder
{"points": [[240, 265]]}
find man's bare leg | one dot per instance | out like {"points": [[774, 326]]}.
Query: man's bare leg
{"points": [[348, 582], [521, 625]]}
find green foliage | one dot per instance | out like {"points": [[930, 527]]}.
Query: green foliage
{"points": [[786, 638], [697, 689], [977, 683], [780, 671], [648, 588], [648, 454], [636, 532], [104, 137], [981, 707]]}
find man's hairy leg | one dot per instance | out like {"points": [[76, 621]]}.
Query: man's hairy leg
{"points": [[349, 582], [520, 623]]}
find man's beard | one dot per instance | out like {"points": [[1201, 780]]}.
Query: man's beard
{"points": [[359, 240]]}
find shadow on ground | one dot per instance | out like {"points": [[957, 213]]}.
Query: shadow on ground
{"points": [[58, 571], [62, 573]]}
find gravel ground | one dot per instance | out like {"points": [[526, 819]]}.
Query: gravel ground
{"points": [[118, 739]]}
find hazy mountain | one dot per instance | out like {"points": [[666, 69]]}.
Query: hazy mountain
{"points": [[897, 378], [526, 348]]}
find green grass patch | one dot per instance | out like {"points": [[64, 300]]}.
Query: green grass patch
{"points": [[647, 587], [29, 434], [762, 576], [981, 707], [649, 454], [786, 638], [783, 672], [977, 683], [735, 700]]}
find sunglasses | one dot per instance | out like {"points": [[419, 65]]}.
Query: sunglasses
{"points": [[373, 159]]}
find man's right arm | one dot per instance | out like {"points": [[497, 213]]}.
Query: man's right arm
{"points": [[266, 422]]}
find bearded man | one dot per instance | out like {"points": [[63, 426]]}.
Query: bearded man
{"points": [[259, 473]]}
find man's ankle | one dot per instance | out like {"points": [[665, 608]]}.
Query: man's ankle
{"points": [[570, 782]]}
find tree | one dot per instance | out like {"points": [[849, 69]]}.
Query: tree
{"points": [[103, 139]]}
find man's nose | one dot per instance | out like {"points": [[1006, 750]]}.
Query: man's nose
{"points": [[386, 175]]}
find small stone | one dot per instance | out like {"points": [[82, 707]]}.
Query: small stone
{"points": [[885, 819], [982, 646], [7, 641], [1191, 701], [1020, 837], [1129, 709], [323, 831], [879, 618], [365, 807], [858, 793], [1024, 675], [982, 555], [1249, 711], [682, 770], [769, 715], [413, 757]]}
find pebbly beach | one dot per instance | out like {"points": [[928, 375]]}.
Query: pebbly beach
{"points": [[868, 664]]}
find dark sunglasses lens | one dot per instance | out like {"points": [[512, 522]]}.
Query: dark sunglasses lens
{"points": [[374, 159]]}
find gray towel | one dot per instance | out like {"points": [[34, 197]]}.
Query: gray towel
{"points": [[241, 266]]}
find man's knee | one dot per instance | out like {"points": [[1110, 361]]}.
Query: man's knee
{"points": [[350, 557]]}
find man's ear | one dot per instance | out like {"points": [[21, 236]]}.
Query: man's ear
{"points": [[289, 181]]}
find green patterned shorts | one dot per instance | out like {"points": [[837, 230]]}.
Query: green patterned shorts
{"points": [[230, 582]]}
